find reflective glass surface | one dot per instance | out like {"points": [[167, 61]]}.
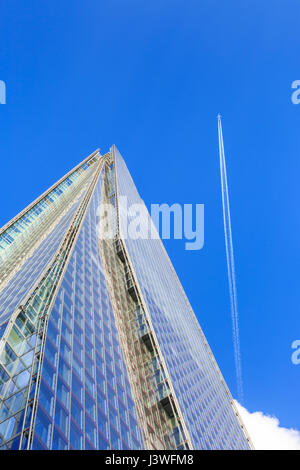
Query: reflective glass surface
{"points": [[85, 399], [23, 281], [204, 400]]}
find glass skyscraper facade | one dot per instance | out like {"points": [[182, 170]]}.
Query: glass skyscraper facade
{"points": [[99, 346]]}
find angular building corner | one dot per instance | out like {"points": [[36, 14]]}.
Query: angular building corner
{"points": [[99, 346]]}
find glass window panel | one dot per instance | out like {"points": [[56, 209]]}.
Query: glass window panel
{"points": [[63, 393], [76, 438], [59, 442], [77, 412], [77, 388], [43, 427], [61, 418], [46, 398]]}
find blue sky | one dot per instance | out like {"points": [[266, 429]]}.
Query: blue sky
{"points": [[151, 78]]}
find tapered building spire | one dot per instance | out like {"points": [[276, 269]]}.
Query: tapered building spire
{"points": [[100, 348]]}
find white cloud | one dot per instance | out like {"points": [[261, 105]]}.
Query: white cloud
{"points": [[266, 432]]}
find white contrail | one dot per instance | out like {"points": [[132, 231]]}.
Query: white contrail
{"points": [[230, 265]]}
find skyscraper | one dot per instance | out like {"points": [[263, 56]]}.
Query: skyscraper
{"points": [[100, 348]]}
